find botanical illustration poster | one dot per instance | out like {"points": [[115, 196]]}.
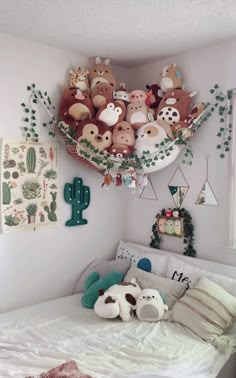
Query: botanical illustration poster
{"points": [[29, 185]]}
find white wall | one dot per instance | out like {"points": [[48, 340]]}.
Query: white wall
{"points": [[201, 70], [36, 266]]}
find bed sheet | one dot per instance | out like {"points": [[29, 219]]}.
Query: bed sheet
{"points": [[35, 339]]}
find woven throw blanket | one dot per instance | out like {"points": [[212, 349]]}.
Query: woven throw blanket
{"points": [[67, 370]]}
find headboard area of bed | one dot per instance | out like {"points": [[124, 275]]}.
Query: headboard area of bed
{"points": [[225, 270]]}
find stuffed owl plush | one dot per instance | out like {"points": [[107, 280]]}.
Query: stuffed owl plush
{"points": [[148, 136], [151, 305]]}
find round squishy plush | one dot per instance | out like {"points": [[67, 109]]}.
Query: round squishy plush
{"points": [[162, 225], [123, 133], [151, 305], [121, 94], [154, 96], [118, 300], [137, 115], [111, 113], [102, 73], [171, 78], [138, 96], [177, 227], [175, 106], [75, 106], [170, 226], [148, 136], [96, 132], [120, 150], [101, 93]]}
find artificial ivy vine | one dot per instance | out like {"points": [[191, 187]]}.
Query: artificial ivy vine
{"points": [[188, 232], [31, 113]]}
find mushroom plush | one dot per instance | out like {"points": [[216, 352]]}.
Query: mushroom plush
{"points": [[118, 300], [151, 305]]}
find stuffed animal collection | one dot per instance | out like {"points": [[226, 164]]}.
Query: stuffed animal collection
{"points": [[151, 305], [115, 121]]}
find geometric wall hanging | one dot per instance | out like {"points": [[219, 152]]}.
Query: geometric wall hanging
{"points": [[206, 195], [29, 185], [178, 187], [149, 192]]}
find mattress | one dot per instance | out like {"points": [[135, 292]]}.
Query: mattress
{"points": [[35, 339]]}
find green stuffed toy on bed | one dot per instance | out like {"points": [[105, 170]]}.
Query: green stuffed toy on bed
{"points": [[94, 283]]}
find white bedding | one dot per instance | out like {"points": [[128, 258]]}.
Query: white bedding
{"points": [[37, 338]]}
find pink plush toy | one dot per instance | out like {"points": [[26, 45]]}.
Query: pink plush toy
{"points": [[138, 96]]}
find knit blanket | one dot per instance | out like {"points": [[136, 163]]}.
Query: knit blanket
{"points": [[66, 370]]}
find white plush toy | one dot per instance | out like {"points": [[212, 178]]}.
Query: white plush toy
{"points": [[148, 137], [151, 305], [118, 300]]}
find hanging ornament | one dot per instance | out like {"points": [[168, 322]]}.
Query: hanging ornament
{"points": [[107, 180], [178, 187], [206, 195], [148, 191], [118, 179]]}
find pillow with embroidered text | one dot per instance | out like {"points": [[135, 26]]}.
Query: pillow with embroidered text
{"points": [[150, 262], [181, 271]]}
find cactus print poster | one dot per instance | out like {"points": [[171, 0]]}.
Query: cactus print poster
{"points": [[29, 185]]}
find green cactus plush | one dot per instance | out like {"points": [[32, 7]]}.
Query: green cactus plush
{"points": [[53, 206], [78, 196], [93, 284], [31, 160]]}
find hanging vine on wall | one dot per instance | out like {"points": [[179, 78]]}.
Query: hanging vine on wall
{"points": [[175, 222]]}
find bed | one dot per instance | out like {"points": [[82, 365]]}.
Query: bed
{"points": [[37, 338]]}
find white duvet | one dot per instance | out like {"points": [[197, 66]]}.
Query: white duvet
{"points": [[37, 338]]}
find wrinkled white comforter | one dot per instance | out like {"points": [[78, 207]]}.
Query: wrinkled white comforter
{"points": [[37, 338]]}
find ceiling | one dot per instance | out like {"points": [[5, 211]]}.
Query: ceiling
{"points": [[131, 32]]}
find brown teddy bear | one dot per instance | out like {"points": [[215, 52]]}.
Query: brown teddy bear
{"points": [[100, 94], [96, 132], [123, 133], [102, 73], [75, 106]]}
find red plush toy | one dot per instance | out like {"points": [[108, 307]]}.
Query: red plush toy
{"points": [[154, 96], [75, 106]]}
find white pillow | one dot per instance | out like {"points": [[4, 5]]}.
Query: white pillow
{"points": [[181, 271], [173, 290], [208, 310], [158, 262]]}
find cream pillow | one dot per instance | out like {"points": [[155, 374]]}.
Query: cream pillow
{"points": [[208, 310], [173, 290]]}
